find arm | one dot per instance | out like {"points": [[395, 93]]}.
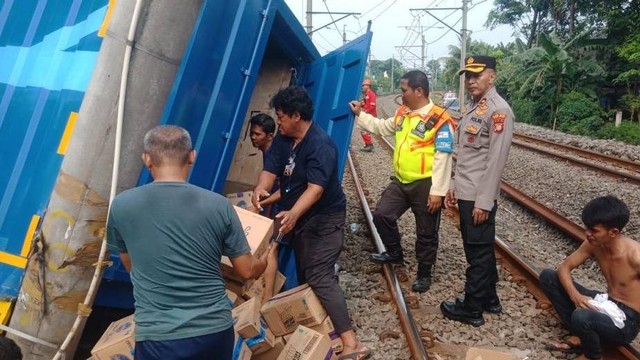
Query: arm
{"points": [[442, 164], [270, 274], [370, 123], [126, 261], [248, 266], [273, 198], [309, 197], [574, 260], [500, 134], [265, 182]]}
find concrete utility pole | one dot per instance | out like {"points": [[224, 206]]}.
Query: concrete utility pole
{"points": [[309, 19], [74, 223], [392, 84], [344, 34], [463, 52], [463, 38], [423, 54]]}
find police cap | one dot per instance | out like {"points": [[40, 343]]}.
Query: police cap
{"points": [[477, 64]]}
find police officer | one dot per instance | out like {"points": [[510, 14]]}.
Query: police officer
{"points": [[422, 161], [484, 137]]}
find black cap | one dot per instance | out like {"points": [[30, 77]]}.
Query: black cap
{"points": [[477, 64]]}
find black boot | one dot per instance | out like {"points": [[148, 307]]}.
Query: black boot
{"points": [[423, 279], [459, 311], [492, 306], [393, 255]]}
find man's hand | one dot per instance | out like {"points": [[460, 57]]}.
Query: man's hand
{"points": [[450, 200], [582, 301], [287, 220], [258, 194], [479, 216], [356, 107], [435, 203]]}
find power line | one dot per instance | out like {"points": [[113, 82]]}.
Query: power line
{"points": [[331, 16]]}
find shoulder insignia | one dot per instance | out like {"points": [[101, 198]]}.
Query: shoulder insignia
{"points": [[498, 122]]}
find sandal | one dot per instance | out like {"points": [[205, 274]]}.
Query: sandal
{"points": [[568, 348], [357, 355]]}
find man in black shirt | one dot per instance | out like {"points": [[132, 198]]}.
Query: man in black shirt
{"points": [[305, 160]]}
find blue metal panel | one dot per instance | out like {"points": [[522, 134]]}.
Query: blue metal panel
{"points": [[39, 42], [332, 82], [216, 80]]}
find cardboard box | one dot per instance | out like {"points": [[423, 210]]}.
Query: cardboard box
{"points": [[118, 341], [240, 350], [297, 306], [263, 342], [273, 353], [486, 354], [234, 298], [307, 344], [257, 288], [248, 324], [240, 199], [246, 319], [254, 288], [258, 230], [326, 328]]}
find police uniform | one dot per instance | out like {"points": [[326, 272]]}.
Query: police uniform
{"points": [[483, 140], [422, 164]]}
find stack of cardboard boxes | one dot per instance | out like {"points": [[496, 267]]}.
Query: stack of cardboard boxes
{"points": [[261, 329]]}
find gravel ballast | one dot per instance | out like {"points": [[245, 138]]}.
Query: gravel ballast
{"points": [[523, 328]]}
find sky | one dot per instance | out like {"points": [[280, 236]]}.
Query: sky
{"points": [[396, 29]]}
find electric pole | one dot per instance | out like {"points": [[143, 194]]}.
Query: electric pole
{"points": [[309, 14], [344, 34], [423, 54], [392, 85], [463, 52]]}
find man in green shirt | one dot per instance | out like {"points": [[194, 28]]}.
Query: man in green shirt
{"points": [[171, 236]]}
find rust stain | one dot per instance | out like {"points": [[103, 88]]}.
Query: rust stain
{"points": [[72, 189], [96, 227], [69, 301], [85, 256]]}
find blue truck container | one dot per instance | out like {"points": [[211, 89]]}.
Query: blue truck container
{"points": [[240, 53], [39, 99]]}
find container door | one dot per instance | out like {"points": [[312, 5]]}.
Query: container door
{"points": [[333, 81], [215, 83]]}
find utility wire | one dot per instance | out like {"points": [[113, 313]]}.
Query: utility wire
{"points": [[331, 16]]}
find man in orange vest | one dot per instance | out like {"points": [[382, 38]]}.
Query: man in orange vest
{"points": [[368, 106], [422, 162]]}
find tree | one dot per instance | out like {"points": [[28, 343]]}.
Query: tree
{"points": [[378, 68], [553, 68]]}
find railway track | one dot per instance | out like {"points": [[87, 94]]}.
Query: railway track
{"points": [[612, 166], [523, 272]]}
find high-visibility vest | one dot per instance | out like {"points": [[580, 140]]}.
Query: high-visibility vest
{"points": [[415, 145]]}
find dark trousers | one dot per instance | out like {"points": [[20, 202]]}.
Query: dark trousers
{"points": [[317, 245], [593, 328], [479, 243], [213, 346], [395, 200]]}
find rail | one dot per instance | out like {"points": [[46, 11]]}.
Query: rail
{"points": [[591, 159], [404, 314]]}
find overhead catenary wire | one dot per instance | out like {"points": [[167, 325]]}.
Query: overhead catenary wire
{"points": [[331, 16], [83, 308]]}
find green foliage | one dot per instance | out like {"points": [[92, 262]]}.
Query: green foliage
{"points": [[579, 114], [523, 109], [381, 84], [628, 132]]}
